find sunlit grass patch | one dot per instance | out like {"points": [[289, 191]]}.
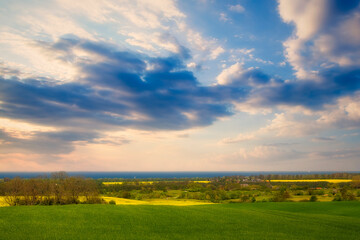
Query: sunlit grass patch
{"points": [[313, 180], [171, 202], [124, 201], [174, 202], [307, 197]]}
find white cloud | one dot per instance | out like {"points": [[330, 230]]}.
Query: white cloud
{"points": [[245, 55], [203, 48], [140, 40], [158, 27], [20, 129], [230, 74], [237, 8], [307, 15], [192, 65], [152, 25], [154, 42], [142, 13], [274, 158], [41, 22], [252, 107], [341, 45], [344, 114], [244, 51], [223, 17], [286, 125], [237, 75], [216, 52], [238, 138], [297, 122], [259, 155], [322, 37], [35, 58]]}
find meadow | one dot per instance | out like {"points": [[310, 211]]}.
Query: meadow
{"points": [[286, 220]]}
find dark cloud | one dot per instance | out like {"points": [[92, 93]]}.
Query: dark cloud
{"points": [[124, 89], [323, 139], [50, 143], [53, 143], [132, 90], [333, 83]]}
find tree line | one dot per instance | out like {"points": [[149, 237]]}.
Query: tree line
{"points": [[58, 189]]}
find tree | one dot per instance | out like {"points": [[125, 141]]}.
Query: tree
{"points": [[14, 191], [281, 195]]}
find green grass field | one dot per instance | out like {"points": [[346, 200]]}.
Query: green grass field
{"points": [[287, 220]]}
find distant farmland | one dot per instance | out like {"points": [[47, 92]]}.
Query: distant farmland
{"points": [[313, 180], [146, 182], [310, 220]]}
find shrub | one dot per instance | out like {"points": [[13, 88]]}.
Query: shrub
{"points": [[313, 198], [245, 198], [337, 197], [280, 196], [126, 194], [93, 200], [112, 202]]}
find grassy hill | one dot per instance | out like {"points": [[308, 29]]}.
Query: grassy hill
{"points": [[288, 220]]}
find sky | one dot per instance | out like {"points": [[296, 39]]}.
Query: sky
{"points": [[193, 85]]}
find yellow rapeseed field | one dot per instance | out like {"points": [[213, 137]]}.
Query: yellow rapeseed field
{"points": [[111, 183], [2, 202], [314, 180], [172, 202], [147, 182], [124, 201]]}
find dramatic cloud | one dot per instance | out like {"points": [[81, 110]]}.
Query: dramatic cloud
{"points": [[125, 89], [141, 82]]}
